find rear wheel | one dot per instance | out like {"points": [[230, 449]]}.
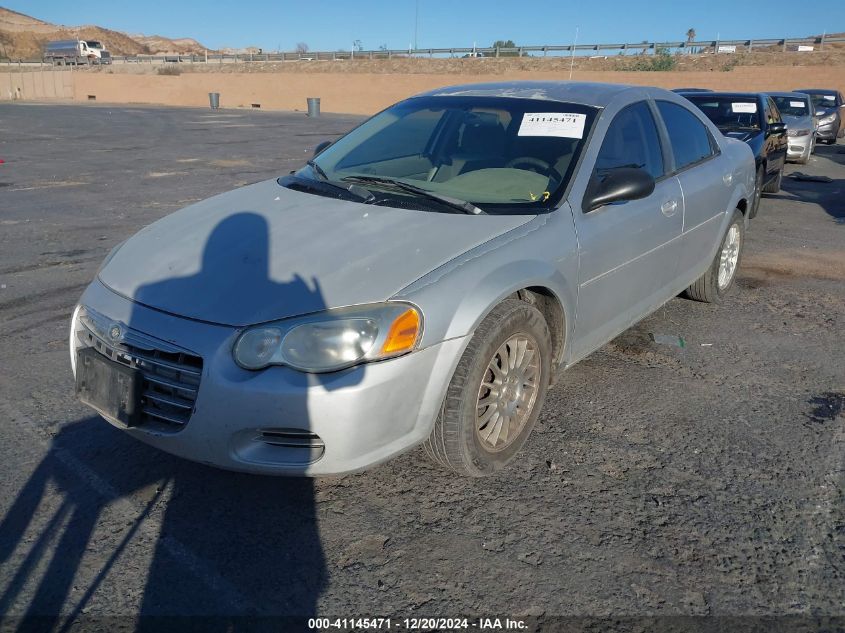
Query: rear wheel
{"points": [[713, 285], [496, 393]]}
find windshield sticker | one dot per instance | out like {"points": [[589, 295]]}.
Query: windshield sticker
{"points": [[796, 104], [560, 124], [829, 97], [743, 108]]}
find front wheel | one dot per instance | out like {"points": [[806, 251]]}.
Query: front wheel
{"points": [[713, 285], [773, 186], [496, 393], [758, 192]]}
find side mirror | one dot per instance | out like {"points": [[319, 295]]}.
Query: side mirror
{"points": [[777, 128], [321, 146], [623, 183]]}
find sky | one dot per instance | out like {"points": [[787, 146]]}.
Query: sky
{"points": [[335, 25]]}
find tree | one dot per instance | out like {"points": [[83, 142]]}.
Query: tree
{"points": [[506, 44], [301, 47], [690, 37]]}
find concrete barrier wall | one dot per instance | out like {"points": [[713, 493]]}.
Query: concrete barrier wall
{"points": [[360, 93], [37, 85]]}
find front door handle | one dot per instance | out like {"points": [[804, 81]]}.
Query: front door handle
{"points": [[669, 208]]}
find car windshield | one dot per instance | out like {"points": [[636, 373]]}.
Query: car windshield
{"points": [[821, 100], [503, 155], [729, 112], [792, 106]]}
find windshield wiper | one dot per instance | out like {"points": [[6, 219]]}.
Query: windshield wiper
{"points": [[320, 184], [321, 173], [455, 203]]}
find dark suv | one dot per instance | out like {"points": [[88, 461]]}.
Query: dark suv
{"points": [[753, 118], [830, 110]]}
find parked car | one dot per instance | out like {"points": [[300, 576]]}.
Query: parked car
{"points": [[829, 110], [74, 51], [755, 119], [679, 90], [798, 113], [421, 280]]}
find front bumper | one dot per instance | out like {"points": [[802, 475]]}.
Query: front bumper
{"points": [[828, 131], [799, 146], [361, 416]]}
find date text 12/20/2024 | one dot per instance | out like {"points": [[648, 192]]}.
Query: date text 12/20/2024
{"points": [[413, 624]]}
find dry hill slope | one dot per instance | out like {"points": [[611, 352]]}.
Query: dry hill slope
{"points": [[23, 37]]}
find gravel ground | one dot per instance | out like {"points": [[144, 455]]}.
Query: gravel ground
{"points": [[704, 480]]}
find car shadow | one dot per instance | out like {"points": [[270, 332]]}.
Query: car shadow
{"points": [[830, 196], [230, 546]]}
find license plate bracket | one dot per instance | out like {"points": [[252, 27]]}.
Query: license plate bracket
{"points": [[111, 388]]}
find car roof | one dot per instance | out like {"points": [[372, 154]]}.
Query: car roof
{"points": [[787, 94], [584, 92], [742, 95], [821, 91]]}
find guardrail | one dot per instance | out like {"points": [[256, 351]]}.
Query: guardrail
{"points": [[806, 44]]}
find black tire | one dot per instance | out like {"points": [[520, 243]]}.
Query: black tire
{"points": [[455, 442], [706, 288], [773, 186], [758, 193]]}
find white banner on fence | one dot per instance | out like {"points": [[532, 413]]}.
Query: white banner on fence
{"points": [[727, 49]]}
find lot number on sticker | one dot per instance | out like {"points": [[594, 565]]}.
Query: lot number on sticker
{"points": [[796, 104], [560, 124], [744, 108], [829, 97]]}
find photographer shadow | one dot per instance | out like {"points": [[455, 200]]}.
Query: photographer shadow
{"points": [[230, 546]]}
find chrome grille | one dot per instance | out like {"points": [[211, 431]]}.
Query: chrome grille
{"points": [[170, 375]]}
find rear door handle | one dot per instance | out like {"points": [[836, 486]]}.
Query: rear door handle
{"points": [[728, 178], [669, 208]]}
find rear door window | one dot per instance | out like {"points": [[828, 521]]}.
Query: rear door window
{"points": [[690, 140]]}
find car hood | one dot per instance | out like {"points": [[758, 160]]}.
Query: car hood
{"points": [[264, 252], [739, 134], [798, 122]]}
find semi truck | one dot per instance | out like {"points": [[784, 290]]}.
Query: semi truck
{"points": [[76, 51]]}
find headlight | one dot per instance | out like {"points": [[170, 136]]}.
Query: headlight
{"points": [[798, 132], [827, 119], [332, 340]]}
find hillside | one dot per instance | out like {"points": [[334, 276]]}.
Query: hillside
{"points": [[23, 37]]}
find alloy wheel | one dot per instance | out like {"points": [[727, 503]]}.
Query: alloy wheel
{"points": [[508, 392]]}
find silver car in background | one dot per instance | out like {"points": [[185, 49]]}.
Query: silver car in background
{"points": [[423, 280], [830, 110], [797, 111]]}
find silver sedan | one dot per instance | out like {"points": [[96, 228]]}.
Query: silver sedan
{"points": [[422, 280], [801, 124]]}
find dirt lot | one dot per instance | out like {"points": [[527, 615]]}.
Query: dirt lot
{"points": [[661, 481]]}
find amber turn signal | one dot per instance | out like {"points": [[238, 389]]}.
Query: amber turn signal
{"points": [[403, 333]]}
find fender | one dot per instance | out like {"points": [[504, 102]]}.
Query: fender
{"points": [[481, 278]]}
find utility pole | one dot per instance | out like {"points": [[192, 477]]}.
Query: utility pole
{"points": [[416, 24], [572, 57]]}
